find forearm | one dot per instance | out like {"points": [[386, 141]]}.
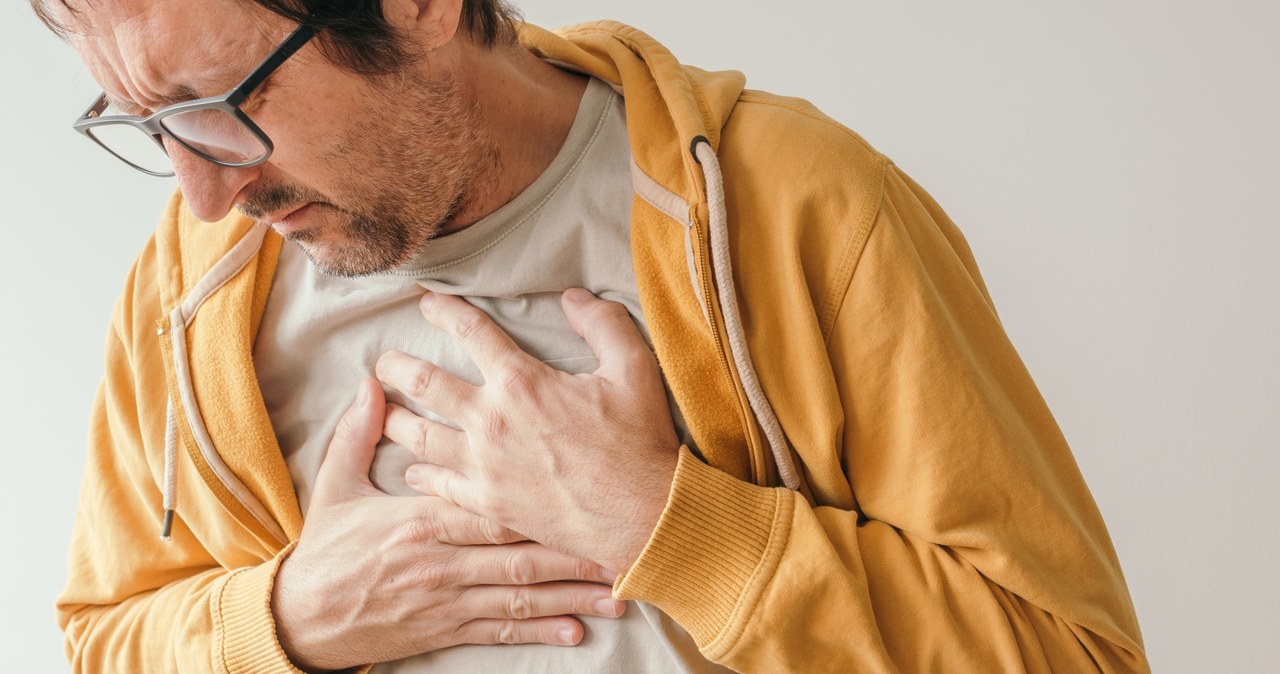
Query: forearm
{"points": [[765, 582], [212, 620], [134, 602]]}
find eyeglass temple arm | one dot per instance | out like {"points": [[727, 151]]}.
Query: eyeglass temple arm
{"points": [[292, 44]]}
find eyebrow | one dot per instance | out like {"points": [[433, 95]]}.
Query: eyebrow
{"points": [[176, 94]]}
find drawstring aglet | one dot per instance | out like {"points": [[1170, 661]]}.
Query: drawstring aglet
{"points": [[167, 527]]}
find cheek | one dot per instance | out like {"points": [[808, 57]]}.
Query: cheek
{"points": [[321, 141]]}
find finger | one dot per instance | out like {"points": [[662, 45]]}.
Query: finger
{"points": [[558, 631], [525, 564], [488, 346], [426, 384], [350, 454], [612, 335], [522, 602], [429, 440], [447, 483], [450, 524]]}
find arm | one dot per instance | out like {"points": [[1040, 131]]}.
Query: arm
{"points": [[975, 545], [134, 602]]}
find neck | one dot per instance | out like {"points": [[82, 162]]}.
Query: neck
{"points": [[527, 108]]}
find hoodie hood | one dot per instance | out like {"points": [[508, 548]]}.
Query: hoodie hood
{"points": [[666, 101]]}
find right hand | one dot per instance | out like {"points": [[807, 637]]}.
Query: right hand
{"points": [[377, 578]]}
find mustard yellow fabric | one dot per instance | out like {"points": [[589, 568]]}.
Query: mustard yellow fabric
{"points": [[942, 525]]}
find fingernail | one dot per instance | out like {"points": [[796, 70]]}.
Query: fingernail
{"points": [[362, 395], [411, 477], [609, 607], [577, 295], [609, 574], [427, 300], [566, 636]]}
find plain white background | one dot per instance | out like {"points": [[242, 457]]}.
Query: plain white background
{"points": [[1114, 166]]}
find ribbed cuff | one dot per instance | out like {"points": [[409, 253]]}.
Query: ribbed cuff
{"points": [[244, 627], [714, 538]]}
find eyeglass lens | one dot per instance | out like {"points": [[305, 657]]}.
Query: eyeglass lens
{"points": [[215, 134], [134, 146]]}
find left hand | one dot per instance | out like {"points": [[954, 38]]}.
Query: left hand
{"points": [[580, 463]]}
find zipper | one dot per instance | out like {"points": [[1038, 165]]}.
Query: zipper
{"points": [[190, 429], [709, 293]]}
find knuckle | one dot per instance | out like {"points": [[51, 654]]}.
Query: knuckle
{"points": [[422, 530], [508, 632], [520, 604], [442, 485], [494, 533], [491, 501], [469, 324], [520, 568], [518, 382], [433, 576], [422, 438], [467, 633], [582, 569], [424, 375], [346, 429], [415, 530]]}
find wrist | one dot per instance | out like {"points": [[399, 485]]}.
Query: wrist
{"points": [[652, 499], [245, 636], [292, 612]]}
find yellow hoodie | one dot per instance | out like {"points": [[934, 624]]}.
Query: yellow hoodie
{"points": [[884, 488]]}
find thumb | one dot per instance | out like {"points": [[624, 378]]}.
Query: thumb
{"points": [[612, 335], [345, 471]]}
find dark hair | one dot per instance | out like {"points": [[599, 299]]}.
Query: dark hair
{"points": [[355, 35]]}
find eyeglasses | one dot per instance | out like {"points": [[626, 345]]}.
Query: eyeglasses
{"points": [[213, 128]]}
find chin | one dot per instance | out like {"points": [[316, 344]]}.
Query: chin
{"points": [[349, 259]]}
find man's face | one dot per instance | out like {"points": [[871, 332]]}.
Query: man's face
{"points": [[364, 170]]}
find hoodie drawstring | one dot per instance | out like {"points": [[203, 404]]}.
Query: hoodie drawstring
{"points": [[720, 262], [182, 399], [170, 470]]}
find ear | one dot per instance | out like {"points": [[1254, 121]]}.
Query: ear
{"points": [[433, 22]]}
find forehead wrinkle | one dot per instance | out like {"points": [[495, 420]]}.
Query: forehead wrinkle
{"points": [[153, 66], [119, 77], [224, 61], [114, 69], [159, 76]]}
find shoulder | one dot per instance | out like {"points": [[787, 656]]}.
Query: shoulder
{"points": [[803, 192], [801, 148]]}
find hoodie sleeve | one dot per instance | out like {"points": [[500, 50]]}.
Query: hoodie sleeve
{"points": [[134, 602], [974, 544]]}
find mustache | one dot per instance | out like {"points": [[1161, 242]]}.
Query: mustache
{"points": [[276, 198]]}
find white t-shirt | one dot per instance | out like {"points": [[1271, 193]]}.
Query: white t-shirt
{"points": [[322, 334]]}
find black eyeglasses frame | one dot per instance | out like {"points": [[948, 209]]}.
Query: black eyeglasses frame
{"points": [[228, 103]]}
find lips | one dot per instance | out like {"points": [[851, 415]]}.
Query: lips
{"points": [[288, 222]]}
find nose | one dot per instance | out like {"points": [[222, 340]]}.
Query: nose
{"points": [[209, 190]]}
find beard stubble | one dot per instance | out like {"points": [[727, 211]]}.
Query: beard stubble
{"points": [[408, 166]]}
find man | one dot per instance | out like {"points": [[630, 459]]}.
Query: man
{"points": [[836, 460]]}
